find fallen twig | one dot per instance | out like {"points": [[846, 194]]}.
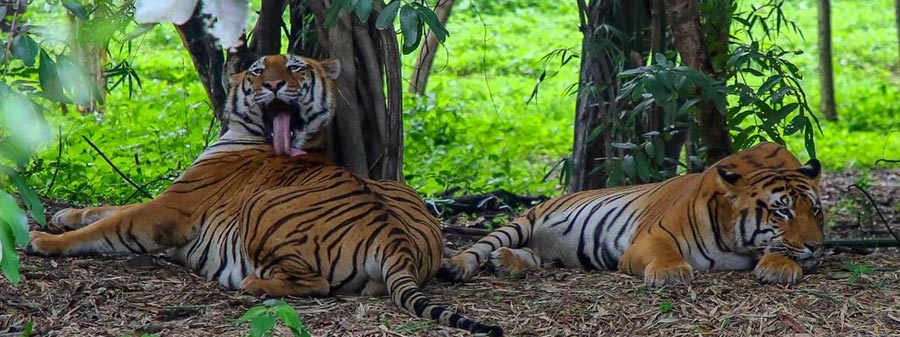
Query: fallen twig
{"points": [[467, 231], [863, 243]]}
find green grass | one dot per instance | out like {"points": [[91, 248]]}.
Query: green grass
{"points": [[475, 130]]}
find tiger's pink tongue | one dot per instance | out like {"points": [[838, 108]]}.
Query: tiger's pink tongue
{"points": [[281, 136]]}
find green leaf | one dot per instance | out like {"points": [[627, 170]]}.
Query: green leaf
{"points": [[859, 268], [48, 76], [768, 84], [363, 9], [32, 202], [387, 15], [431, 19], [25, 49], [76, 8], [29, 328], [254, 312], [642, 166], [810, 141], [650, 148], [410, 27], [288, 315], [262, 326], [9, 261], [779, 116], [595, 132], [15, 220], [628, 166], [334, 10]]}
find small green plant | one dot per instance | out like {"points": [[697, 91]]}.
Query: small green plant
{"points": [[665, 307], [412, 327], [857, 271], [262, 319]]}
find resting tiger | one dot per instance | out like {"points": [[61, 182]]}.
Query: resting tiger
{"points": [[256, 212], [756, 209]]}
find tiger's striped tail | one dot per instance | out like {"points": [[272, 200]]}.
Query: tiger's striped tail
{"points": [[405, 292]]}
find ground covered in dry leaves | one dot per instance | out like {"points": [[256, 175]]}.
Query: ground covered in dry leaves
{"points": [[853, 295]]}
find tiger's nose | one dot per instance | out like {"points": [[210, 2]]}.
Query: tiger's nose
{"points": [[274, 84]]}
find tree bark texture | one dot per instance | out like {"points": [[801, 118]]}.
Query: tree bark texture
{"points": [[826, 70], [684, 20], [208, 58], [422, 70], [267, 34], [595, 106], [367, 131]]}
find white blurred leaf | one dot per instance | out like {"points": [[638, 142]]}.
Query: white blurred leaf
{"points": [[174, 11]]}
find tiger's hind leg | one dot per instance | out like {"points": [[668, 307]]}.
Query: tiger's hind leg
{"points": [[513, 262], [147, 227], [75, 218], [283, 284], [467, 263]]}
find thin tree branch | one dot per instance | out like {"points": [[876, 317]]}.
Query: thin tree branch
{"points": [[58, 157], [878, 210], [143, 191]]}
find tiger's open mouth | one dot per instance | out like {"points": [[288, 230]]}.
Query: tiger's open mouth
{"points": [[280, 121]]}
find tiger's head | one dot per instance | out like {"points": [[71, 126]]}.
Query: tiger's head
{"points": [[775, 203], [285, 99]]}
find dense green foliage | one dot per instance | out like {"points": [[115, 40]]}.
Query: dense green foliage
{"points": [[476, 129]]}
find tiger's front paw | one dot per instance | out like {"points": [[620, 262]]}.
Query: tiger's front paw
{"points": [[43, 244], [778, 269], [458, 268], [661, 273]]}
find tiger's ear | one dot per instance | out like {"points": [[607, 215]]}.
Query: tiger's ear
{"points": [[812, 169], [332, 68], [727, 176]]}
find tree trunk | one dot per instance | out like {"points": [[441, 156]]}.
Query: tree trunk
{"points": [[826, 71], [208, 59], [595, 105], [267, 34], [426, 55], [367, 131], [684, 19]]}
